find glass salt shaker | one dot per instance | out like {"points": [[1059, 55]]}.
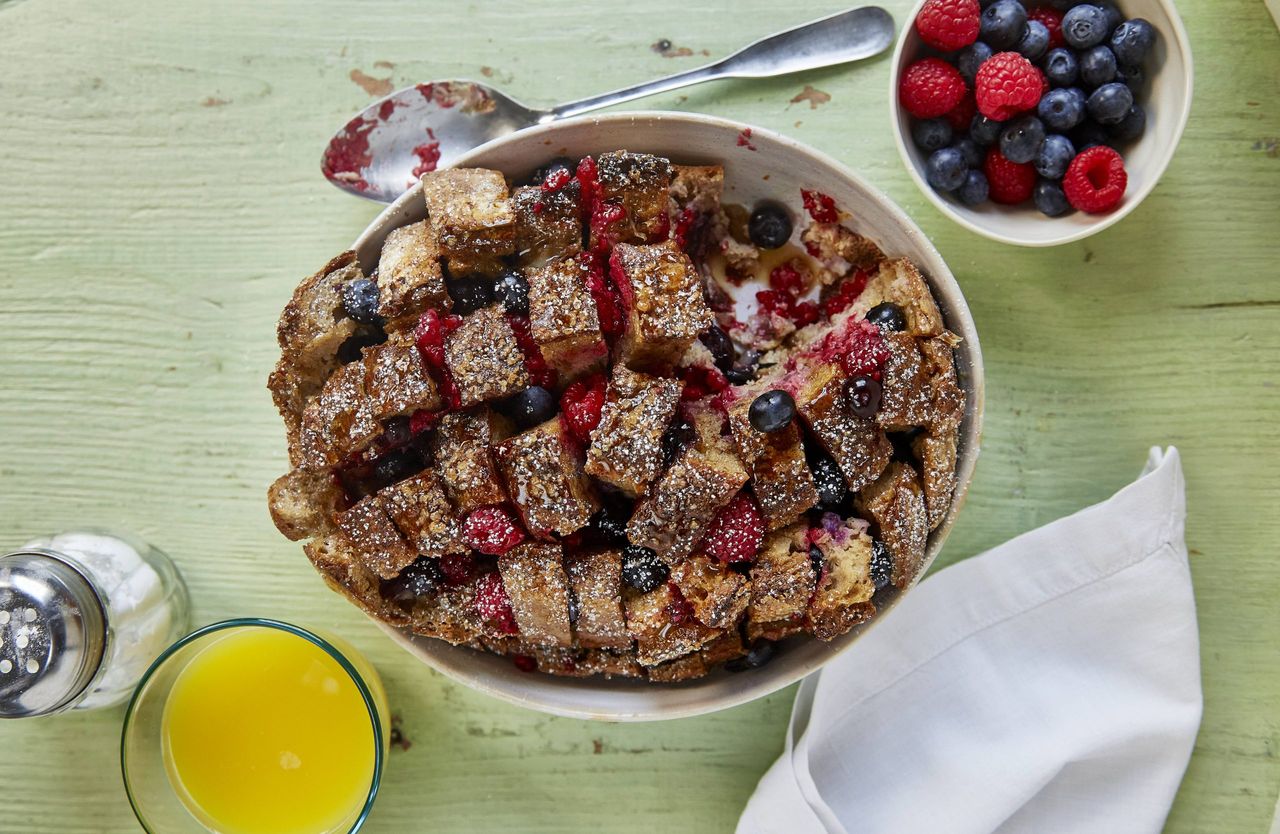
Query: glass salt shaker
{"points": [[82, 615]]}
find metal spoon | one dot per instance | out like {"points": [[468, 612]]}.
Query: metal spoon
{"points": [[381, 152]]}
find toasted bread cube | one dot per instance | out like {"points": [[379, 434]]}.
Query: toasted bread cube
{"points": [[697, 188], [344, 571], [947, 400], [718, 595], [397, 381], [339, 421], [664, 303], [905, 401], [782, 582], [658, 639], [303, 502], [461, 447], [843, 595], [369, 528], [937, 455], [775, 461], [626, 446], [576, 662], [898, 281], [543, 473], [859, 446], [534, 576], [410, 279], [548, 223], [724, 648], [895, 503], [313, 323], [640, 183], [484, 357], [469, 211], [596, 580], [563, 319], [421, 512], [839, 248], [449, 614], [673, 516]]}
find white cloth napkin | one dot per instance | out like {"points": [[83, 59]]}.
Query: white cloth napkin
{"points": [[1049, 685]]}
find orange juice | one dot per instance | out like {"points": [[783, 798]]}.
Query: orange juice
{"points": [[265, 733]]}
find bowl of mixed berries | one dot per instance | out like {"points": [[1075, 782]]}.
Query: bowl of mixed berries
{"points": [[1040, 122]]}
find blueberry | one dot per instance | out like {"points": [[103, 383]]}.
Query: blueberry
{"points": [[1132, 40], [772, 411], [971, 57], [532, 406], [1002, 24], [1097, 66], [642, 569], [1132, 76], [984, 131], [574, 607], [888, 315], [931, 134], [816, 559], [1021, 139], [864, 396], [769, 226], [1088, 134], [760, 653], [740, 374], [1061, 67], [420, 579], [350, 350], [360, 300], [469, 294], [1034, 42], [610, 525], [975, 190], [395, 431], [1130, 127], [1055, 155], [1110, 103], [945, 169], [1050, 198], [540, 175], [1063, 5], [1085, 26], [969, 149], [677, 436], [881, 564], [1062, 109], [512, 291], [720, 346], [829, 481], [1113, 15], [394, 467]]}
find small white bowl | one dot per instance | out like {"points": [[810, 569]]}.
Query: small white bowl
{"points": [[767, 166], [1168, 104]]}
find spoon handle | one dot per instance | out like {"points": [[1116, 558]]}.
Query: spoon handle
{"points": [[838, 39]]}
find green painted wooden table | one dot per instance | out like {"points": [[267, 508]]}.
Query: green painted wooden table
{"points": [[161, 196]]}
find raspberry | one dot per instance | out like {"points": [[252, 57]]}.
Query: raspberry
{"points": [[685, 226], [1011, 183], [821, 207], [1095, 180], [429, 335], [701, 381], [581, 403], [491, 531], [949, 24], [457, 567], [679, 610], [1052, 20], [605, 220], [930, 87], [493, 605], [845, 294], [524, 663], [1007, 84], [736, 532], [786, 277], [534, 363], [422, 420], [590, 184], [960, 116], [784, 304], [556, 180], [864, 350], [608, 303]]}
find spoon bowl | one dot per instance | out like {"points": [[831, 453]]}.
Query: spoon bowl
{"points": [[381, 152]]}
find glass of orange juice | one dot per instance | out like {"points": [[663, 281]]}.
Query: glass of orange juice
{"points": [[255, 726]]}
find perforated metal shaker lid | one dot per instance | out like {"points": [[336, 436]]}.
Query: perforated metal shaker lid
{"points": [[52, 633]]}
